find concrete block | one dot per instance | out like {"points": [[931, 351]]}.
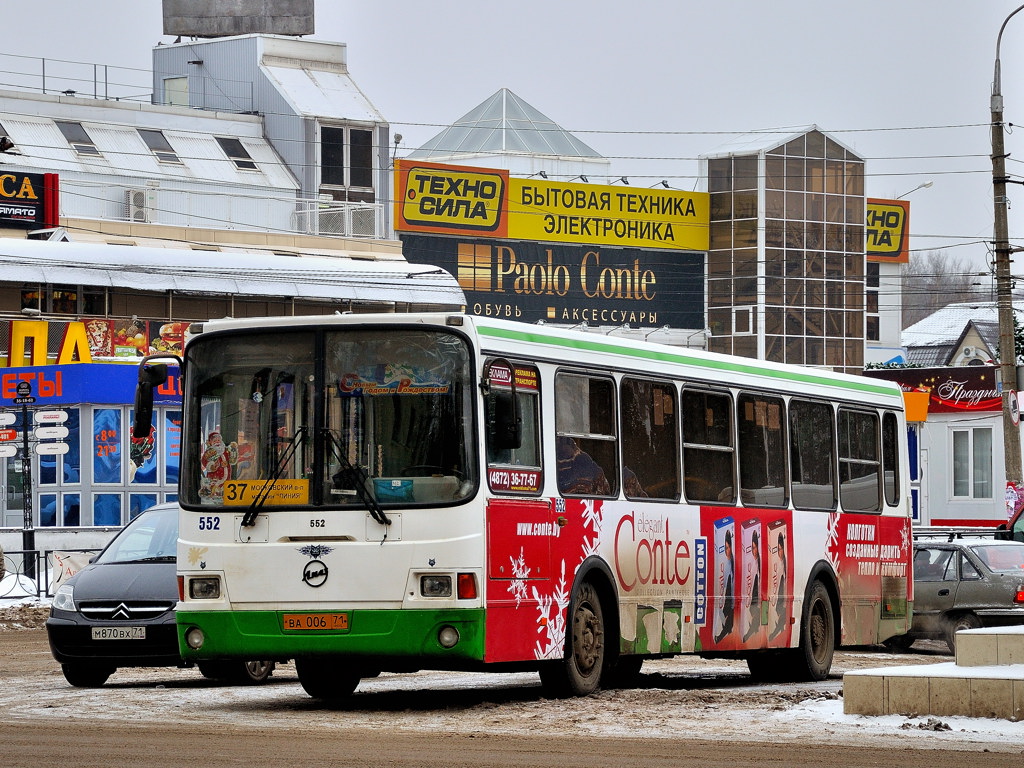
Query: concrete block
{"points": [[907, 695], [1011, 649], [991, 697], [1018, 700], [975, 649], [863, 694], [948, 695]]}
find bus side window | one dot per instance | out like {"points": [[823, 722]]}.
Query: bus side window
{"points": [[812, 451], [650, 440], [859, 466], [762, 450], [708, 467], [528, 451], [890, 461], [586, 442]]}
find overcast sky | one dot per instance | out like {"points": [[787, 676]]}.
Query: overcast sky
{"points": [[652, 84]]}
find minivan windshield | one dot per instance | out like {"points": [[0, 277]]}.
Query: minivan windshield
{"points": [[152, 536]]}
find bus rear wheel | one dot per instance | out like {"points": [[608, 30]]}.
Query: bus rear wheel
{"points": [[813, 659], [579, 673], [326, 678]]}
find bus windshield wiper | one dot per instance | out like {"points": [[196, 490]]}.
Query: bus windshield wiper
{"points": [[264, 492], [357, 478]]}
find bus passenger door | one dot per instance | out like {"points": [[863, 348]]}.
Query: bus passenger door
{"points": [[519, 545]]}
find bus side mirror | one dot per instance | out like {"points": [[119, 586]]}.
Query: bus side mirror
{"points": [[150, 376], [506, 423]]}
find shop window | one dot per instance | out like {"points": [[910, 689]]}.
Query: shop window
{"points": [[107, 431], [34, 298], [65, 300], [171, 446], [72, 510], [972, 463], [47, 510], [72, 460], [142, 466], [139, 503], [107, 509]]}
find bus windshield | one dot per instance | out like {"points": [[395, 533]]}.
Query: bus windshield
{"points": [[329, 417]]}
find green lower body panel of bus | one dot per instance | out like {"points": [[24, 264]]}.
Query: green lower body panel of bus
{"points": [[399, 634]]}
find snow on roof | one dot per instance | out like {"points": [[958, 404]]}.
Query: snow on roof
{"points": [[944, 326], [212, 272], [504, 123]]}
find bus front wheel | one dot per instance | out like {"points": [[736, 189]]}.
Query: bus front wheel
{"points": [[326, 678], [579, 673]]}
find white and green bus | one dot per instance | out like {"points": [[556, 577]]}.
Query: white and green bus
{"points": [[370, 493]]}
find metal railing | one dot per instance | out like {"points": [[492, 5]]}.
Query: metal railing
{"points": [[29, 572], [211, 209], [75, 78]]}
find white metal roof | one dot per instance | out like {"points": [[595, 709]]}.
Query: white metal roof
{"points": [[40, 145], [323, 94], [211, 272]]}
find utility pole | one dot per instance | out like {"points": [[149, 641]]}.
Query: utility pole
{"points": [[1004, 298]]}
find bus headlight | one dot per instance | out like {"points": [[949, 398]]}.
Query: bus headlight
{"points": [[435, 586], [204, 588], [448, 637], [195, 638]]}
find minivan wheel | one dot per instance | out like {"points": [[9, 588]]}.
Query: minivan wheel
{"points": [[86, 675]]}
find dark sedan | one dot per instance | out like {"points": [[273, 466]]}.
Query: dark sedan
{"points": [[118, 611], [964, 584]]}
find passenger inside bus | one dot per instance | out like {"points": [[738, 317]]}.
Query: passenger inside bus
{"points": [[578, 473]]}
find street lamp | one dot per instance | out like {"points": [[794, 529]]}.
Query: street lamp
{"points": [[922, 185], [1004, 301]]}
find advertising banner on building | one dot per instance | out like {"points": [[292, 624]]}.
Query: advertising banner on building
{"points": [[973, 388], [29, 200], [485, 202], [887, 231], [569, 284], [97, 383]]}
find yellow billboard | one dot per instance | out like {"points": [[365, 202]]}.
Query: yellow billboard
{"points": [[887, 231], [481, 202]]}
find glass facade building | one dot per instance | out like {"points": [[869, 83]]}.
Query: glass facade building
{"points": [[786, 262]]}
